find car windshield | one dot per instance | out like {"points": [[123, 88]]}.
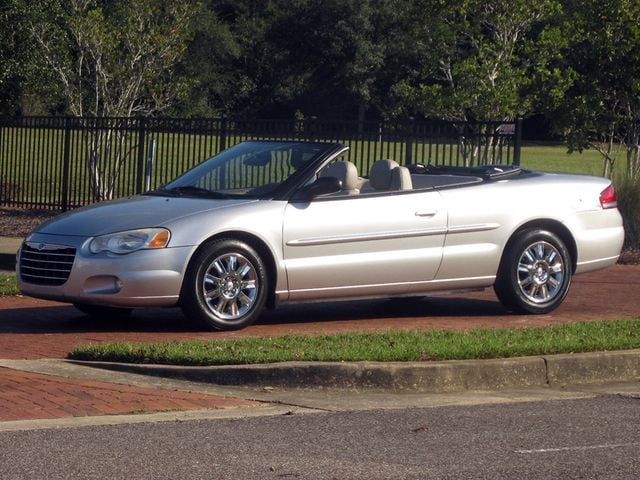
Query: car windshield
{"points": [[250, 169]]}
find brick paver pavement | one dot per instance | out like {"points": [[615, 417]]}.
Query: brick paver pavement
{"points": [[32, 329], [30, 396]]}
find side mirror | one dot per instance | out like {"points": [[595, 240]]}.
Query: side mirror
{"points": [[322, 186]]}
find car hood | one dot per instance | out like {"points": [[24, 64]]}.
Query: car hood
{"points": [[130, 213]]}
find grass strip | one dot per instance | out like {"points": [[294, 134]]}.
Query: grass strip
{"points": [[8, 285], [381, 347]]}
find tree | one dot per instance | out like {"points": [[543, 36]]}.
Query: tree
{"points": [[484, 58], [274, 57], [602, 108], [11, 59], [486, 61], [339, 47], [26, 85], [112, 59], [210, 62], [253, 65]]}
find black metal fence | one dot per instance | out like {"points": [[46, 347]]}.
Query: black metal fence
{"points": [[64, 162]]}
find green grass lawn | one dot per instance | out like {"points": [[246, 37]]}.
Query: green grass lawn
{"points": [[382, 347], [8, 285], [553, 157]]}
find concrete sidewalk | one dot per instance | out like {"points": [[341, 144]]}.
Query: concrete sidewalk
{"points": [[8, 248], [48, 390]]}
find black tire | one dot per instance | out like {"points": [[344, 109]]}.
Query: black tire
{"points": [[102, 312], [226, 285], [535, 273]]}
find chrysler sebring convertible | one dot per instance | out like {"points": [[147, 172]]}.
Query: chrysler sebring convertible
{"points": [[266, 222]]}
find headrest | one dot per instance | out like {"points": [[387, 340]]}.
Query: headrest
{"points": [[380, 174]]}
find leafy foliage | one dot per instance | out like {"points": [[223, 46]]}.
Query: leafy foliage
{"points": [[279, 56], [26, 85], [628, 189], [489, 59], [467, 60], [601, 109], [112, 58]]}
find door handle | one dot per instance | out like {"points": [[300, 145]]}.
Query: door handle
{"points": [[426, 213]]}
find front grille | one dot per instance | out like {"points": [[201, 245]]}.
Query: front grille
{"points": [[46, 264]]}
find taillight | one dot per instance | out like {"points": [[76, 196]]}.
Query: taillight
{"points": [[608, 197]]}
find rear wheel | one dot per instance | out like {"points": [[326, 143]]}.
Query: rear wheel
{"points": [[535, 273], [225, 286]]}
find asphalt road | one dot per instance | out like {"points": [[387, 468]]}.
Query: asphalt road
{"points": [[592, 438]]}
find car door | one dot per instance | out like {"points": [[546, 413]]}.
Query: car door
{"points": [[361, 245]]}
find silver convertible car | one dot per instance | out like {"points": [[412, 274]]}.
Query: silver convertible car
{"points": [[268, 222]]}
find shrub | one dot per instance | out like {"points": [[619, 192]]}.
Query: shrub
{"points": [[628, 189]]}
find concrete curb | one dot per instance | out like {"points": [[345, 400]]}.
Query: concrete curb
{"points": [[432, 377], [8, 248]]}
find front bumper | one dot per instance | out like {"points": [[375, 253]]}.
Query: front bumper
{"points": [[139, 279]]}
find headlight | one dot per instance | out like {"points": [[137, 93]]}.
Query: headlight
{"points": [[130, 241]]}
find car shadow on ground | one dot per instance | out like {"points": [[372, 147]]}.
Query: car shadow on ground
{"points": [[67, 319], [415, 307]]}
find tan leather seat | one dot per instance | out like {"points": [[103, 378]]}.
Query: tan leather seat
{"points": [[347, 173], [388, 175]]}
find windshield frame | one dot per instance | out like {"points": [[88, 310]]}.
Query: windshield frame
{"points": [[181, 184]]}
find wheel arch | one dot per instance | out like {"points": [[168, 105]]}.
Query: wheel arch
{"points": [[552, 226], [260, 246]]}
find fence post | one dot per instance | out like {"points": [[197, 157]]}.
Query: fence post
{"points": [[517, 146], [223, 134], [66, 167], [148, 170], [141, 159], [2, 160], [408, 131], [314, 127]]}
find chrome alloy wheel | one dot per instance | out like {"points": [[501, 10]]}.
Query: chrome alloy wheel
{"points": [[230, 286], [541, 272]]}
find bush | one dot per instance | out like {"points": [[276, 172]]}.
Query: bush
{"points": [[629, 205]]}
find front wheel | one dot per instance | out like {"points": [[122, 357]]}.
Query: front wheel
{"points": [[535, 273], [225, 286]]}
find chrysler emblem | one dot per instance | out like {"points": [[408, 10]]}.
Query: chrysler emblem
{"points": [[43, 246]]}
